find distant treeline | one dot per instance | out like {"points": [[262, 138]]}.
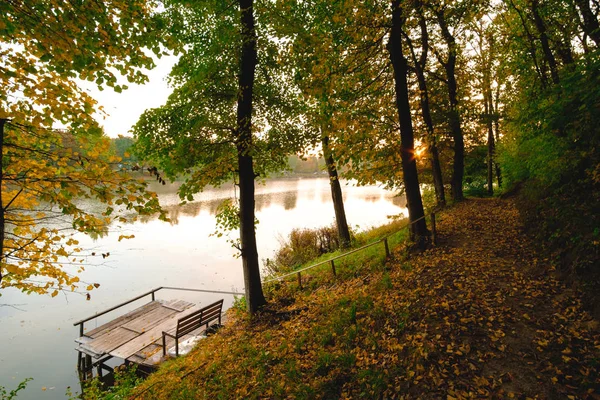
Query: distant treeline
{"points": [[121, 147]]}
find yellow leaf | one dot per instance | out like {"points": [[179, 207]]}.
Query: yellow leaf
{"points": [[90, 287], [55, 293]]}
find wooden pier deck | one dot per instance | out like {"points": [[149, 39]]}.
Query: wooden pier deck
{"points": [[136, 336]]}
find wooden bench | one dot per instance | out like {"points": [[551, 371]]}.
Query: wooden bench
{"points": [[193, 321]]}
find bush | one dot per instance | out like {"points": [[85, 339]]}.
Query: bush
{"points": [[303, 245], [551, 152]]}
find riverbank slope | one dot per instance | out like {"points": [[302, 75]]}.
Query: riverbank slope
{"points": [[479, 316]]}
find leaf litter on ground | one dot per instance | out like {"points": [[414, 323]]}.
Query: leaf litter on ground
{"points": [[481, 315]]}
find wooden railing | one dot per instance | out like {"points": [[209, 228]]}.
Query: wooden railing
{"points": [[331, 261], [150, 293]]}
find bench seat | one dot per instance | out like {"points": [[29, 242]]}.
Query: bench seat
{"points": [[192, 322]]}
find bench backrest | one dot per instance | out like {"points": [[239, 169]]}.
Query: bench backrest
{"points": [[198, 318]]}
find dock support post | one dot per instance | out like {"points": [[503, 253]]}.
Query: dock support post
{"points": [[299, 280], [333, 268], [387, 248], [89, 368], [79, 360]]}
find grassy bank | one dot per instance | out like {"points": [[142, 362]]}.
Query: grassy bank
{"points": [[350, 263]]}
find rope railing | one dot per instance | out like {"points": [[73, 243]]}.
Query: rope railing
{"points": [[331, 261]]}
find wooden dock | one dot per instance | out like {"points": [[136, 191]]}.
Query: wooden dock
{"points": [[135, 337]]}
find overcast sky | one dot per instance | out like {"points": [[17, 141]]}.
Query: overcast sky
{"points": [[125, 108]]}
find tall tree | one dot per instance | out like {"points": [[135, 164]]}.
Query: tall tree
{"points": [[589, 21], [243, 141], [420, 65], [336, 194], [45, 47], [550, 140], [454, 119], [407, 144], [486, 70], [233, 114], [315, 30]]}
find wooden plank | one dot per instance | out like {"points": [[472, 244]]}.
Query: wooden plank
{"points": [[102, 329], [110, 341], [148, 337], [148, 320], [152, 351], [88, 352], [152, 355], [178, 305], [136, 359], [83, 339]]}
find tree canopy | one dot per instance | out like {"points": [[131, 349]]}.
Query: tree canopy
{"points": [[477, 88], [47, 172]]}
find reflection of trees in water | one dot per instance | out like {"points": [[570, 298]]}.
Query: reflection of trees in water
{"points": [[289, 200], [372, 198], [399, 201], [192, 209], [262, 200], [326, 196]]}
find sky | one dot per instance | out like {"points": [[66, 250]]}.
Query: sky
{"points": [[125, 108]]}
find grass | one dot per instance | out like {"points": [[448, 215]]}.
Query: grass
{"points": [[352, 264]]}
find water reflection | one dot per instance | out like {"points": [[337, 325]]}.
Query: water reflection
{"points": [[372, 198], [276, 193], [399, 201], [289, 200]]}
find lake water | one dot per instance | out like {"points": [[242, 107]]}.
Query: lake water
{"points": [[37, 332]]}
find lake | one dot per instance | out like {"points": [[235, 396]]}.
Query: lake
{"points": [[37, 331]]}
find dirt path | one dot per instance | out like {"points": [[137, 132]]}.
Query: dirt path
{"points": [[490, 318]]}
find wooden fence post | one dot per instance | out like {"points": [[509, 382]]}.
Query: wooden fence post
{"points": [[387, 248], [299, 281], [433, 230], [333, 268]]}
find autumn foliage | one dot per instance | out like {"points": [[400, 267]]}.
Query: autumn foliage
{"points": [[48, 179], [480, 316], [47, 49]]}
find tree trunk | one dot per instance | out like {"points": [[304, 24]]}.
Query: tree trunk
{"points": [[490, 141], [532, 48], [541, 28], [458, 169], [253, 286], [590, 23], [2, 221], [436, 168], [407, 146], [497, 132], [336, 195]]}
